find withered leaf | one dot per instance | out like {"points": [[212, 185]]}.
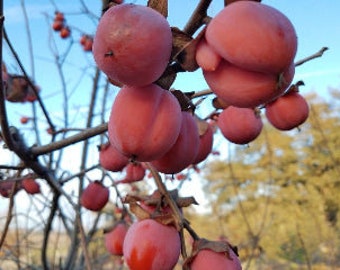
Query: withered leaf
{"points": [[184, 49]]}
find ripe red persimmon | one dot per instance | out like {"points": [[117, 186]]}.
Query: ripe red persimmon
{"points": [[243, 88], [30, 185], [111, 159], [205, 145], [57, 25], [24, 119], [240, 125], [185, 149], [208, 259], [59, 16], [287, 112], [6, 188], [88, 45], [134, 172], [132, 44], [114, 238], [65, 32], [151, 245], [206, 57], [94, 196], [253, 36], [144, 122]]}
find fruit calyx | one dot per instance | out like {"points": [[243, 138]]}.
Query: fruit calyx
{"points": [[156, 207], [216, 246]]}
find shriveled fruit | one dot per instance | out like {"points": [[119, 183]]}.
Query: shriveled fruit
{"points": [[132, 44], [206, 57], [239, 125], [30, 185], [287, 112], [151, 245], [94, 196], [253, 36], [243, 88], [185, 149], [111, 159], [144, 122], [208, 259], [114, 238]]}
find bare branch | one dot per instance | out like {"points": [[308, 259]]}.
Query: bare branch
{"points": [[86, 134], [311, 57]]}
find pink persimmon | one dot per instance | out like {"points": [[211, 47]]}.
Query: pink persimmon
{"points": [[244, 88], [111, 159], [114, 238], [151, 245], [209, 259], [287, 112], [185, 149], [144, 122], [253, 36], [94, 196], [132, 44], [240, 125], [205, 145]]}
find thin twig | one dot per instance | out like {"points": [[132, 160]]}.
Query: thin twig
{"points": [[86, 134], [311, 57], [9, 215], [178, 218], [43, 108]]}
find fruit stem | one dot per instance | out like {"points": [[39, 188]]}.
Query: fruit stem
{"points": [[163, 190], [178, 218]]}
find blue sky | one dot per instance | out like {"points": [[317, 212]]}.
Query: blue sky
{"points": [[315, 23]]}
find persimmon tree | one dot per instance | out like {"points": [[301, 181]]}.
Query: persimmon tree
{"points": [[89, 169]]}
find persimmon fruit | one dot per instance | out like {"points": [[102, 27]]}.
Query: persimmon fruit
{"points": [[151, 245], [132, 44], [144, 122]]}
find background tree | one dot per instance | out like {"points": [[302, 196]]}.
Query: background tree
{"points": [[279, 196]]}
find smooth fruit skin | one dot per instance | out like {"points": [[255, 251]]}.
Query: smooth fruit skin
{"points": [[253, 36], [287, 112], [246, 89], [205, 145], [134, 172], [7, 187], [30, 186], [185, 149], [239, 125], [144, 122], [111, 159], [65, 32], [206, 57], [114, 239], [151, 245], [132, 44], [94, 196], [208, 259]]}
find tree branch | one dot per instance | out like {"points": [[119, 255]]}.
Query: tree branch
{"points": [[86, 134]]}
